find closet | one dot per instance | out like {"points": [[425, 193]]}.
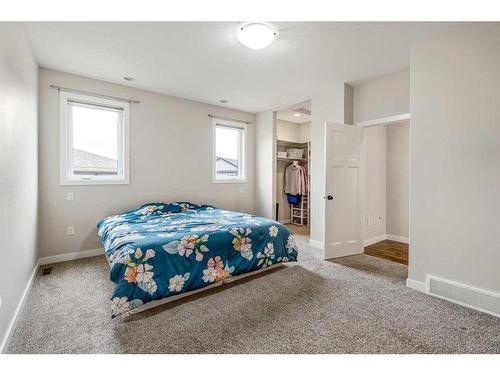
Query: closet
{"points": [[294, 153]]}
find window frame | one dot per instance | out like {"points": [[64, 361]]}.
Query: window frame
{"points": [[242, 179], [66, 141]]}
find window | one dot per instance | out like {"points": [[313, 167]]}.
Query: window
{"points": [[229, 151], [94, 140]]}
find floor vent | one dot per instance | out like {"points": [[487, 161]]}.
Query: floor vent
{"points": [[46, 271], [479, 299]]}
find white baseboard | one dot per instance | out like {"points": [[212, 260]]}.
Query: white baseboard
{"points": [[373, 240], [316, 244], [393, 237], [383, 237], [70, 256], [466, 295], [42, 261], [417, 285], [10, 329], [472, 297]]}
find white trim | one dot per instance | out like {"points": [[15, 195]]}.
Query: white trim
{"points": [[243, 150], [316, 244], [389, 120], [424, 287], [41, 261], [373, 240], [393, 237], [471, 288], [66, 176], [416, 285], [71, 256], [10, 328], [382, 237]]}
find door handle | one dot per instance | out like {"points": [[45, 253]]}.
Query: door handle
{"points": [[329, 197]]}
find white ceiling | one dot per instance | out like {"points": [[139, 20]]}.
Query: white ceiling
{"points": [[203, 61], [301, 109], [288, 115]]}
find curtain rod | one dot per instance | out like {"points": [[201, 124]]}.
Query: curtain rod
{"points": [[229, 119], [60, 88]]}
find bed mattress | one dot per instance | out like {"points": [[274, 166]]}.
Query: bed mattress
{"points": [[160, 251]]}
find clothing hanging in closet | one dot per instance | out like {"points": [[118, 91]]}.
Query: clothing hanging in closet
{"points": [[295, 180]]}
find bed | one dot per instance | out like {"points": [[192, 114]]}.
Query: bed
{"points": [[160, 252]]}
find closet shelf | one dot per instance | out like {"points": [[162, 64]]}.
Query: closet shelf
{"points": [[292, 159], [290, 143]]}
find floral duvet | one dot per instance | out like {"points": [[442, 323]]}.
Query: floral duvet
{"points": [[162, 249]]}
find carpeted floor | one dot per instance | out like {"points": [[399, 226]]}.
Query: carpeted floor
{"points": [[352, 305]]}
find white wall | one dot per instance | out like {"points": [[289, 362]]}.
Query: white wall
{"points": [[18, 169], [387, 191], [293, 132], [376, 181], [381, 97], [265, 164], [325, 106], [455, 155], [170, 158], [287, 131], [398, 179], [305, 132]]}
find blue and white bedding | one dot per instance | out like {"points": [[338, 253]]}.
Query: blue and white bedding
{"points": [[162, 249]]}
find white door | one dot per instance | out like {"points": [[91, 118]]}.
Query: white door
{"points": [[343, 195]]}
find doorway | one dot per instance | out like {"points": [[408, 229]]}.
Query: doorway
{"points": [[293, 151], [367, 189], [387, 174]]}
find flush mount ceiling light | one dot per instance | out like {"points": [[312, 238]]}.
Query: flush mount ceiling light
{"points": [[128, 78], [256, 35], [296, 114]]}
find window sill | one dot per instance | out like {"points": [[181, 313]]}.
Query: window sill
{"points": [[229, 181], [93, 182]]}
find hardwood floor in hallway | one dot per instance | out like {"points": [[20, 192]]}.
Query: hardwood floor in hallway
{"points": [[390, 250], [298, 229]]}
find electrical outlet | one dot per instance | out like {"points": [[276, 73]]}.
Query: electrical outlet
{"points": [[241, 189], [380, 219], [70, 231], [70, 196]]}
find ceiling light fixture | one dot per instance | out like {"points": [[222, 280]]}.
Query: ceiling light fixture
{"points": [[128, 78], [223, 101], [256, 35], [296, 114]]}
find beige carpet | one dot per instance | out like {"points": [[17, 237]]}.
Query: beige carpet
{"points": [[354, 305]]}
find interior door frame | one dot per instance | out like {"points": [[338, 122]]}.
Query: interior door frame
{"points": [[361, 210], [390, 120]]}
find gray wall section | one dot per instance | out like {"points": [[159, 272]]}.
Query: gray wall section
{"points": [[325, 106], [381, 97], [398, 179], [265, 165], [348, 104], [376, 182], [19, 168], [170, 159], [455, 154]]}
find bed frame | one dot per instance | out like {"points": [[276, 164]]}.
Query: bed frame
{"points": [[152, 304]]}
